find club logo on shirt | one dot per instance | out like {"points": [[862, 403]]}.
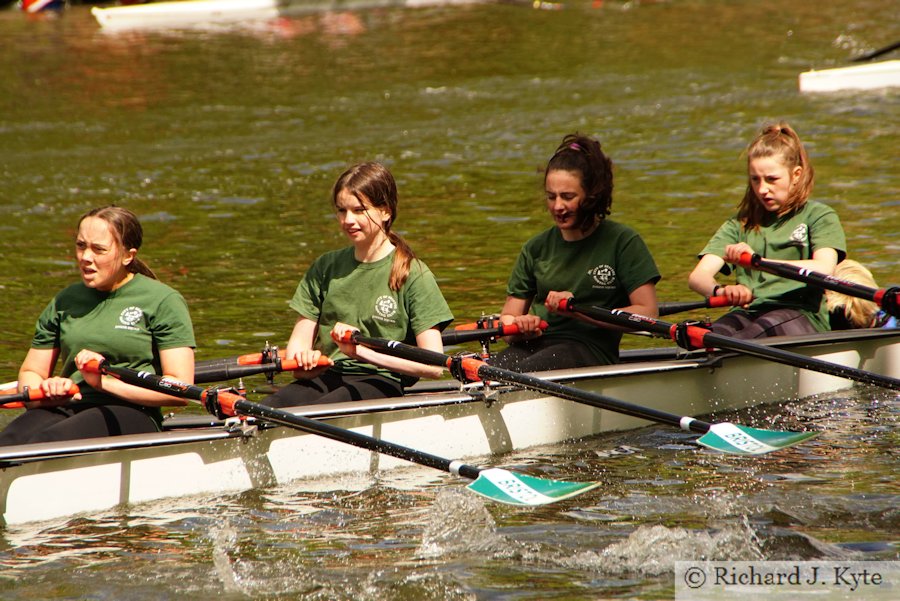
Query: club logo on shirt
{"points": [[800, 234], [385, 308], [604, 276], [129, 317]]}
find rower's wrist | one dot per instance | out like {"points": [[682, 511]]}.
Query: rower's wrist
{"points": [[716, 288]]}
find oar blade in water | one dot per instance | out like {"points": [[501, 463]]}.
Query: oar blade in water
{"points": [[518, 489], [743, 440]]}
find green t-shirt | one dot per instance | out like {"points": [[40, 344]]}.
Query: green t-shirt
{"points": [[793, 237], [338, 288], [602, 269], [128, 326]]}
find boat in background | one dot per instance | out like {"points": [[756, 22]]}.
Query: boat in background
{"points": [[198, 455], [192, 14], [885, 74]]}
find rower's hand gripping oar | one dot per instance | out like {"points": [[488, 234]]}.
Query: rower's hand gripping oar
{"points": [[463, 334], [692, 337], [886, 298], [24, 399], [494, 483], [725, 437]]}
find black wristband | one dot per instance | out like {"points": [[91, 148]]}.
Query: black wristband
{"points": [[716, 289]]}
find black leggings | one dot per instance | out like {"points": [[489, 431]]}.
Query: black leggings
{"points": [[544, 355], [332, 387], [780, 322], [51, 424]]}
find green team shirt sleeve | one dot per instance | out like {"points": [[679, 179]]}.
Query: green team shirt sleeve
{"points": [[728, 233], [46, 330], [425, 304]]}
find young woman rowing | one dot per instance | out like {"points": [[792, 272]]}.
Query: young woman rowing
{"points": [[585, 255], [777, 221], [120, 312], [376, 286]]}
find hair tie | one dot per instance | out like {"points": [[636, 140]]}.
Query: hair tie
{"points": [[575, 146]]}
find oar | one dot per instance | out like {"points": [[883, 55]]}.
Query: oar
{"points": [[465, 333], [694, 337], [711, 302], [244, 367], [876, 53], [227, 368], [18, 400], [725, 437], [494, 483], [886, 298]]}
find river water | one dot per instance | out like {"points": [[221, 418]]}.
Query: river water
{"points": [[226, 143]]}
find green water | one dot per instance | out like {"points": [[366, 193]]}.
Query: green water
{"points": [[226, 144]]}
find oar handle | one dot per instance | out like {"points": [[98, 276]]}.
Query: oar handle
{"points": [[710, 302], [633, 321], [216, 373], [887, 298], [17, 400], [465, 333]]}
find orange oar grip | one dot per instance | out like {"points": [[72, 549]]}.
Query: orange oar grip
{"points": [[92, 366], [292, 364], [718, 301], [36, 394], [746, 260], [470, 367]]}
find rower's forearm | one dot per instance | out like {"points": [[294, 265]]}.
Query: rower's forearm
{"points": [[399, 365], [139, 395]]}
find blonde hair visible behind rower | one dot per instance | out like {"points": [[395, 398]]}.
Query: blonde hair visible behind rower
{"points": [[859, 312]]}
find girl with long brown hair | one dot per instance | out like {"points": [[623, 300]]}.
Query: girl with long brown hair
{"points": [[376, 286]]}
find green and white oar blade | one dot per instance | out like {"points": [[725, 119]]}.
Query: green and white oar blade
{"points": [[518, 489], [743, 440]]}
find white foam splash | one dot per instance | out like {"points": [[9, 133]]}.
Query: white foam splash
{"points": [[652, 550], [459, 522]]}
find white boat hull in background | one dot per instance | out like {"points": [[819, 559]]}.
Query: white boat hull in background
{"points": [[859, 77], [192, 14]]}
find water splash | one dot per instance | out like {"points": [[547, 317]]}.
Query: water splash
{"points": [[459, 522], [224, 541], [652, 550]]}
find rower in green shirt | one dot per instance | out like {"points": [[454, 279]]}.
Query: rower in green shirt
{"points": [[777, 221], [376, 286], [586, 256]]}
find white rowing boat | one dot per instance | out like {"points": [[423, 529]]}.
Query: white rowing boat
{"points": [[870, 76], [199, 456], [192, 14]]}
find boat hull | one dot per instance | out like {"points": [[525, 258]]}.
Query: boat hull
{"points": [[192, 458], [193, 14], [858, 77]]}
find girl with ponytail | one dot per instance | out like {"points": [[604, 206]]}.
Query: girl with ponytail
{"points": [[776, 220], [119, 312], [376, 286]]}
